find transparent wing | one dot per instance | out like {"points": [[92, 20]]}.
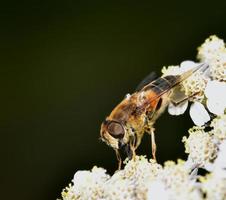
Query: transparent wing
{"points": [[148, 79]]}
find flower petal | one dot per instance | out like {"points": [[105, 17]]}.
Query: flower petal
{"points": [[216, 107], [178, 109], [216, 94], [187, 65], [157, 191], [216, 90], [220, 162], [198, 114]]}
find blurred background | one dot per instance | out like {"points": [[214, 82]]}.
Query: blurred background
{"points": [[66, 64]]}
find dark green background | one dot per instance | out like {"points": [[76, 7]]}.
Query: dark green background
{"points": [[65, 65]]}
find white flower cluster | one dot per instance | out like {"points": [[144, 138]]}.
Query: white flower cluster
{"points": [[213, 52], [140, 179], [143, 179], [200, 146], [204, 88], [128, 184]]}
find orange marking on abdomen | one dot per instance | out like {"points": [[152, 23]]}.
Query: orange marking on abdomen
{"points": [[152, 98]]}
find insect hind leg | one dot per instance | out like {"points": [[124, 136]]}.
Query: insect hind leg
{"points": [[153, 144], [151, 131]]}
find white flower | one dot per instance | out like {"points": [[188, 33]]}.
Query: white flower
{"points": [[89, 184], [214, 187], [193, 86], [178, 70], [171, 70], [177, 109], [213, 52], [215, 92], [119, 189], [68, 193], [219, 127], [198, 114], [140, 168], [174, 182], [200, 146], [157, 191], [178, 184], [218, 67], [220, 162], [187, 65], [212, 46], [216, 97]]}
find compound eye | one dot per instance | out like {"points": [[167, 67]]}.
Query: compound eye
{"points": [[115, 129]]}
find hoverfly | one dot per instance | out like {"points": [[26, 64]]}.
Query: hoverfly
{"points": [[136, 114]]}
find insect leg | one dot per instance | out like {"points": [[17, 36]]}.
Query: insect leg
{"points": [[153, 144], [119, 159], [133, 147]]}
